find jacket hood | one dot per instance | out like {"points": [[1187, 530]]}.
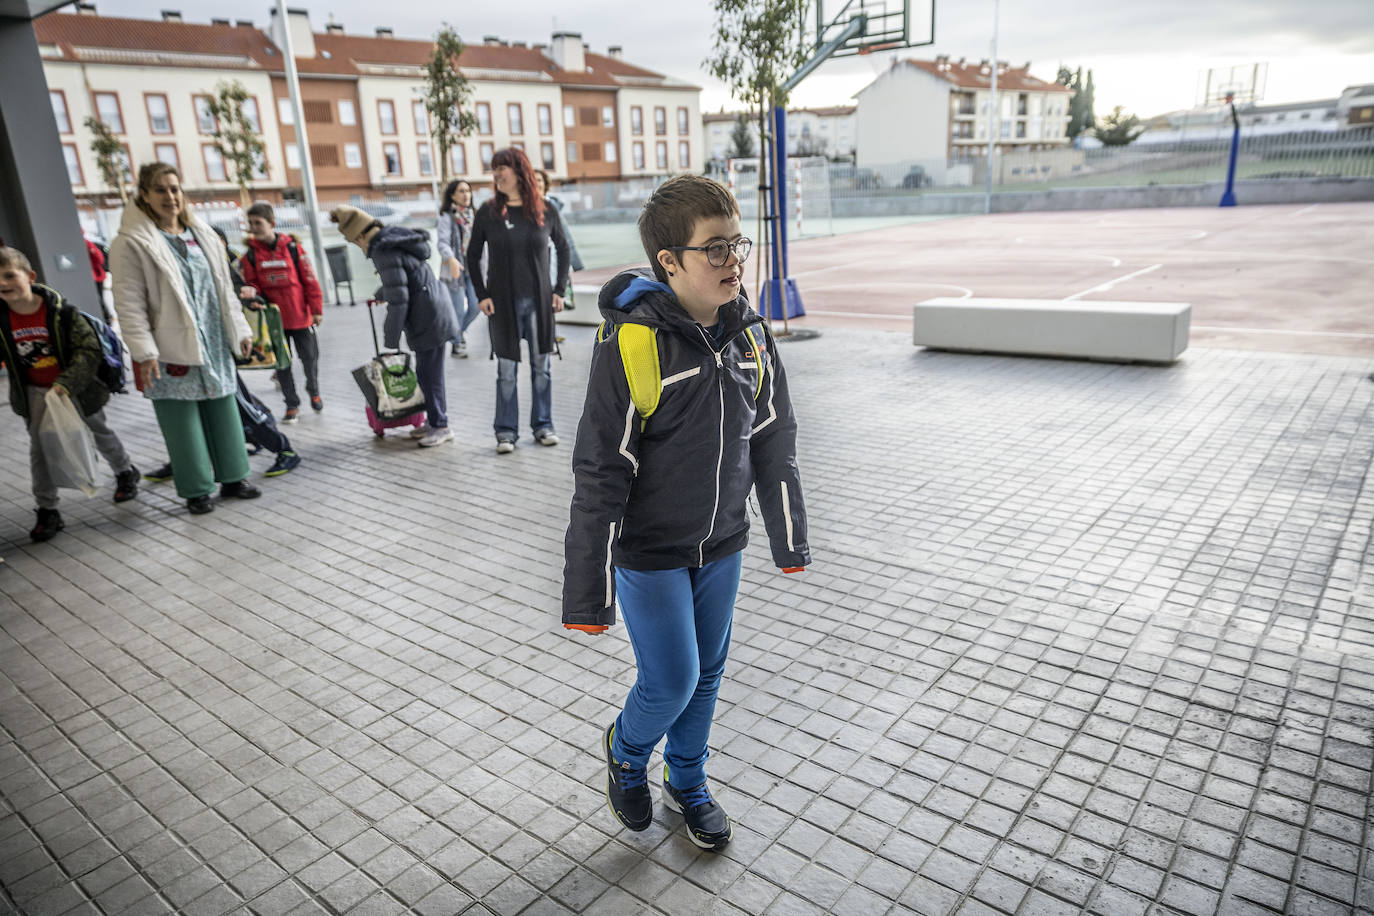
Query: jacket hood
{"points": [[51, 297], [635, 294], [412, 241]]}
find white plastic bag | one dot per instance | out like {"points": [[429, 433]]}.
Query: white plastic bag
{"points": [[67, 443]]}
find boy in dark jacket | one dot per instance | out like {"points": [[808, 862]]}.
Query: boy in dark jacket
{"points": [[275, 268], [658, 516], [414, 303], [47, 345]]}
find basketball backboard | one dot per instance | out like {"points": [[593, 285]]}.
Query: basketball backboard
{"points": [[891, 24], [1240, 84]]}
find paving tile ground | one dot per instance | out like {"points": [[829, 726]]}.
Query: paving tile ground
{"points": [[1078, 638]]}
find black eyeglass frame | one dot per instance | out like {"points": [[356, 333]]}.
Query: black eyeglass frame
{"points": [[730, 247]]}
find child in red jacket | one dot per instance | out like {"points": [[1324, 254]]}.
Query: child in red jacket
{"points": [[275, 267]]}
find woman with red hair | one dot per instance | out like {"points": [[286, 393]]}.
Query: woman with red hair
{"points": [[515, 227]]}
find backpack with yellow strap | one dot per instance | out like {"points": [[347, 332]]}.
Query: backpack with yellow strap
{"points": [[639, 355]]}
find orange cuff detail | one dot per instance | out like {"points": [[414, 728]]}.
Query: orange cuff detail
{"points": [[586, 627], [793, 569]]}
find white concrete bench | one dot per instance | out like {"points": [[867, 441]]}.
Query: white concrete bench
{"points": [[1154, 332], [587, 311]]}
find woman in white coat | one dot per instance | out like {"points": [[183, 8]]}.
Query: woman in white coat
{"points": [[182, 321]]}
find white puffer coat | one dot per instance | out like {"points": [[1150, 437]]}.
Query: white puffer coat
{"points": [[155, 314]]}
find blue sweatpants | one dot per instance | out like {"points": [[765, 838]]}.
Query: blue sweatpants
{"points": [[679, 625]]}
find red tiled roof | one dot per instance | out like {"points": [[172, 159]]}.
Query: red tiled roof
{"points": [[971, 76], [71, 30]]}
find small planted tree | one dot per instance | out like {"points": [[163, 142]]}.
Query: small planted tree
{"points": [[741, 138], [447, 95], [109, 157], [1118, 128], [236, 137]]}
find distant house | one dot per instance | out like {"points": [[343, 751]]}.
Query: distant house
{"points": [[810, 132], [578, 114], [934, 112]]}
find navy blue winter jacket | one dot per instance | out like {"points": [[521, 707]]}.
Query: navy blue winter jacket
{"points": [[414, 301], [674, 494]]}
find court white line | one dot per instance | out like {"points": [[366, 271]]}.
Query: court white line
{"points": [[1305, 210], [895, 316], [1110, 283], [1352, 334], [895, 284]]}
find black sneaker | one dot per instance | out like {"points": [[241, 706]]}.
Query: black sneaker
{"points": [[286, 461], [199, 505], [241, 489], [159, 475], [707, 823], [126, 485], [316, 403], [292, 415], [627, 790], [49, 523]]}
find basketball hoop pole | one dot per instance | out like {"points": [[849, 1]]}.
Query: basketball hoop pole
{"points": [[1228, 197]]}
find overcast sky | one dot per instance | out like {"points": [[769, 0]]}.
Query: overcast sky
{"points": [[1145, 54]]}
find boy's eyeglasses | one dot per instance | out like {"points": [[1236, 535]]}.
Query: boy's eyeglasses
{"points": [[718, 251]]}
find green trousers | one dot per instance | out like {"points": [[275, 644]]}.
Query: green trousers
{"points": [[205, 443]]}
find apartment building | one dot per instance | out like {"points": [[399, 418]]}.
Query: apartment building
{"points": [[934, 111], [578, 114], [810, 132]]}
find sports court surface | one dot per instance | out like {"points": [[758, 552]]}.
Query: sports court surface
{"points": [[1295, 278]]}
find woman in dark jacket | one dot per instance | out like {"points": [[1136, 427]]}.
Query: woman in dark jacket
{"points": [[515, 227]]}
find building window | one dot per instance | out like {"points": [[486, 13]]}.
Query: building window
{"points": [[569, 116], [515, 118], [348, 115], [546, 155], [285, 114], [588, 116], [317, 111], [59, 112], [214, 163], [126, 163], [682, 121], [108, 111], [324, 155], [426, 159], [684, 154], [73, 160], [661, 154], [572, 151], [386, 115], [167, 152], [484, 118], [1020, 128], [417, 110], [637, 151], [353, 155], [205, 121], [591, 152], [607, 116], [458, 159], [545, 119], [293, 156], [250, 114], [610, 151], [486, 151], [637, 121], [1021, 102], [660, 121], [391, 156], [259, 167]]}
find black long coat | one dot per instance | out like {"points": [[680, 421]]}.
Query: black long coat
{"points": [[523, 247]]}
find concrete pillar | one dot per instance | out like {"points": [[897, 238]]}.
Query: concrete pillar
{"points": [[37, 210]]}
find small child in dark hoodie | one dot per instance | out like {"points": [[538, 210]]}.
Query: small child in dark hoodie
{"points": [[415, 303], [659, 520], [47, 346]]}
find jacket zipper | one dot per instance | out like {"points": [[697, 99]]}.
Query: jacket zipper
{"points": [[720, 444]]}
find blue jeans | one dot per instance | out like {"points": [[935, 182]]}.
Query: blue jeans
{"points": [[464, 297], [679, 625], [507, 423], [429, 372]]}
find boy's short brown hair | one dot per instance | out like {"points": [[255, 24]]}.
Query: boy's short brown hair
{"points": [[671, 213], [13, 257], [263, 210]]}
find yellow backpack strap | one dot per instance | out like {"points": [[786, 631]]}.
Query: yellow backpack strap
{"points": [[758, 358], [601, 332], [639, 354]]}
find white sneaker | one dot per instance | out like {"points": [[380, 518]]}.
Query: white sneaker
{"points": [[546, 438], [419, 432], [504, 448], [462, 350], [437, 437]]}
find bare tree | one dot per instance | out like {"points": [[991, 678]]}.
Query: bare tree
{"points": [[447, 95]]}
